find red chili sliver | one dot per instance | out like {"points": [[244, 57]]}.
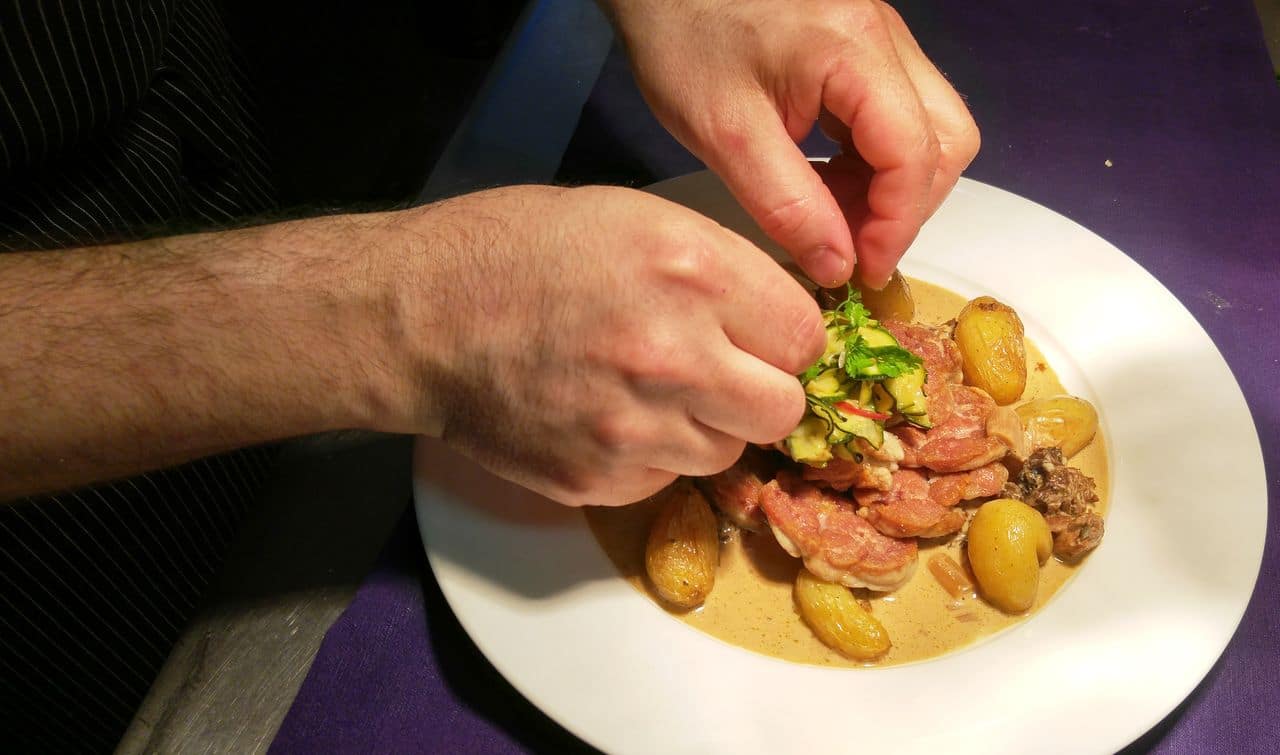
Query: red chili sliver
{"points": [[845, 406]]}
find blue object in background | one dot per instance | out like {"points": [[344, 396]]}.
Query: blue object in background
{"points": [[528, 108]]}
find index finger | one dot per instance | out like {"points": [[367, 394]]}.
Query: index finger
{"points": [[764, 311], [891, 131], [957, 134], [773, 181]]}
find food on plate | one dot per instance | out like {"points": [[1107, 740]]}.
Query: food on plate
{"points": [[736, 490], [903, 455], [990, 338], [893, 302], [864, 378], [1007, 542], [1066, 496], [1064, 422], [683, 547], [950, 575], [835, 543], [838, 619]]}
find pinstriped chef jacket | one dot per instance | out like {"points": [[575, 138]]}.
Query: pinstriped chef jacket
{"points": [[118, 118]]}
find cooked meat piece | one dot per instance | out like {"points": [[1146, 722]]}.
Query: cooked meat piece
{"points": [[842, 474], [935, 348], [1004, 423], [835, 543], [1074, 537], [1065, 496], [958, 440], [890, 450], [1049, 484], [736, 491], [942, 365], [950, 489], [961, 454], [907, 509], [911, 438], [874, 469]]}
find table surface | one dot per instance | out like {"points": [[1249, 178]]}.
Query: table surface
{"points": [[1180, 98]]}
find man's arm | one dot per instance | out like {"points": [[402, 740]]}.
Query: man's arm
{"points": [[590, 344], [122, 358]]}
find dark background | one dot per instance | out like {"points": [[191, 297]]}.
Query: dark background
{"points": [[358, 100]]}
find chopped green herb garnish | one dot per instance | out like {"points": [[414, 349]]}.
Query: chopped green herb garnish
{"points": [[858, 356], [861, 354], [812, 372], [893, 361]]}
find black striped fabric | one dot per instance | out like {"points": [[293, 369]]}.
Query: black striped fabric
{"points": [[95, 587], [118, 118]]}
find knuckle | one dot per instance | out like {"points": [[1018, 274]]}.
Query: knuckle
{"points": [[575, 485], [969, 141], [725, 455], [842, 22], [616, 432], [930, 149], [653, 357], [816, 62], [806, 339], [680, 255], [788, 218], [889, 15], [704, 457], [787, 412], [727, 132]]}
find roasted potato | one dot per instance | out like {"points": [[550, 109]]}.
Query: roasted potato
{"points": [[893, 302], [992, 351], [1008, 542], [1063, 421], [836, 617], [683, 549]]}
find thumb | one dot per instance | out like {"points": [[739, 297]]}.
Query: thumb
{"points": [[771, 178]]}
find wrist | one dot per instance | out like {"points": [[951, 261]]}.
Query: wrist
{"points": [[441, 275], [409, 294], [392, 331], [322, 286]]}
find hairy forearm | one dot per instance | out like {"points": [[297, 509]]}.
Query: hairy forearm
{"points": [[118, 359]]}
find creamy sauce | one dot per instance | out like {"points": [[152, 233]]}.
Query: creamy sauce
{"points": [[751, 604]]}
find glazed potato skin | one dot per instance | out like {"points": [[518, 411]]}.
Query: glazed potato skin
{"points": [[683, 549], [1063, 421], [1007, 543], [838, 620], [992, 349]]}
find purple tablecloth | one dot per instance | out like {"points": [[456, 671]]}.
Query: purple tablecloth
{"points": [[1178, 94]]}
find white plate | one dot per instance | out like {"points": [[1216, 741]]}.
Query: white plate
{"points": [[1112, 654]]}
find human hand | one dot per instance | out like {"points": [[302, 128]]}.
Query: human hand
{"points": [[591, 344], [740, 82]]}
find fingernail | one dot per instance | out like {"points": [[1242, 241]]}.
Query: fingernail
{"points": [[826, 266], [877, 284]]}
